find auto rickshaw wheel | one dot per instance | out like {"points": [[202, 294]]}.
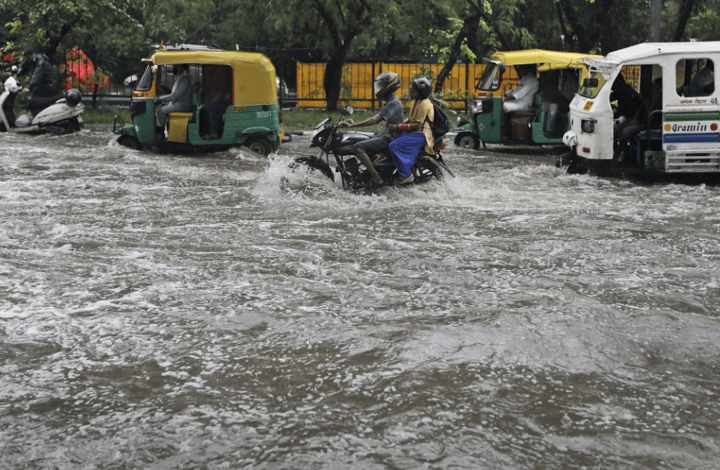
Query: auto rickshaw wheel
{"points": [[129, 142], [261, 146], [469, 141]]}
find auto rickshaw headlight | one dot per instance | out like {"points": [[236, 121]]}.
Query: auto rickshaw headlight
{"points": [[587, 126]]}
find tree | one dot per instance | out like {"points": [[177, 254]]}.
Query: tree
{"points": [[47, 25]]}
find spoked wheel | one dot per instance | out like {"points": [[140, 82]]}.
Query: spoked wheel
{"points": [[129, 142]]}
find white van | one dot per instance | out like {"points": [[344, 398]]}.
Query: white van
{"points": [[663, 119]]}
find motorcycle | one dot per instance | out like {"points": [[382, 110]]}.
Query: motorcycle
{"points": [[57, 115], [330, 141]]}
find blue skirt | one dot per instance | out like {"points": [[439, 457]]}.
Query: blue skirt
{"points": [[404, 151]]}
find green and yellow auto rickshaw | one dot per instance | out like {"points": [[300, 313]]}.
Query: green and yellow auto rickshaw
{"points": [[234, 103], [559, 74]]}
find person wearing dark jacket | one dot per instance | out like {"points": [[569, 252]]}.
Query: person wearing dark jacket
{"points": [[44, 82]]}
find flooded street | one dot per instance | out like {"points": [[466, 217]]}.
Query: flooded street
{"points": [[219, 311]]}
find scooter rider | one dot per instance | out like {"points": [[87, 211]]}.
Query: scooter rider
{"points": [[385, 86], [44, 83], [12, 88]]}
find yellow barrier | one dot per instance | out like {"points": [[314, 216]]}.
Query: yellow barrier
{"points": [[358, 81]]}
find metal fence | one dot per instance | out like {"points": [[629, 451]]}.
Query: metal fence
{"points": [[358, 77]]}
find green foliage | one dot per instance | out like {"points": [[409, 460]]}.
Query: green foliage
{"points": [[705, 24], [116, 34], [442, 40]]}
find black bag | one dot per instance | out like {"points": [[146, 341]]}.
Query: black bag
{"points": [[441, 124]]}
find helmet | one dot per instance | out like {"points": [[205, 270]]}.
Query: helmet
{"points": [[386, 84], [423, 86], [73, 97]]}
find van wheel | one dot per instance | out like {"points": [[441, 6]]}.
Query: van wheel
{"points": [[469, 141], [129, 142], [260, 146]]}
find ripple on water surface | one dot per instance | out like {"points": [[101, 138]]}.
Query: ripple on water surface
{"points": [[168, 311]]}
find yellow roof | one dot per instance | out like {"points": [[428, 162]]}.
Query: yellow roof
{"points": [[546, 60], [253, 73]]}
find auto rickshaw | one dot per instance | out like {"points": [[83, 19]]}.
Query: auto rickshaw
{"points": [[234, 103], [671, 126], [560, 74]]}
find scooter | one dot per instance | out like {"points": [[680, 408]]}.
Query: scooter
{"points": [[354, 176], [59, 115]]}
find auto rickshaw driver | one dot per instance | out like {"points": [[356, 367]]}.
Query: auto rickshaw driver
{"points": [[178, 101]]}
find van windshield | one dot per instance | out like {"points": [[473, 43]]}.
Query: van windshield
{"points": [[592, 91], [146, 81]]}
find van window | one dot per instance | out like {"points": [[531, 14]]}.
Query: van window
{"points": [[695, 77]]}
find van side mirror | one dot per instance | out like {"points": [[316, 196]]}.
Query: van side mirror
{"points": [[591, 83]]}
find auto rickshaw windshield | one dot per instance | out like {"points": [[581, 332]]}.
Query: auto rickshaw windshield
{"points": [[592, 85], [490, 78], [146, 81]]}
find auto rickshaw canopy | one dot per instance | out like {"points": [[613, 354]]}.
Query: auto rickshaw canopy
{"points": [[253, 73], [545, 60]]}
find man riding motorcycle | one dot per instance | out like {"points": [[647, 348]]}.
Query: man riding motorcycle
{"points": [[385, 86]]}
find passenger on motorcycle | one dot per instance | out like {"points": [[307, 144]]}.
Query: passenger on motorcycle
{"points": [[417, 131], [385, 86]]}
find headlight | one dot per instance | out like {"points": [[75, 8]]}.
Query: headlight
{"points": [[587, 126], [476, 107]]}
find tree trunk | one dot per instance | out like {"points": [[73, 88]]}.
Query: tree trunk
{"points": [[685, 12], [470, 26], [656, 20], [333, 74]]}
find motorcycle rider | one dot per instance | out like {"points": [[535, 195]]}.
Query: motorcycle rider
{"points": [[385, 86], [44, 83]]}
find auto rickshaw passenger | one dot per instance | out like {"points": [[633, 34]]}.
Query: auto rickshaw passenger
{"points": [[703, 84], [385, 86], [629, 103], [216, 106], [178, 101], [521, 97]]}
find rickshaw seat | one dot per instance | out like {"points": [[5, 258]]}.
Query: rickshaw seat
{"points": [[177, 126]]}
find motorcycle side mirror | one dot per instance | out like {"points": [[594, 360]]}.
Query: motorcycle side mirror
{"points": [[591, 83]]}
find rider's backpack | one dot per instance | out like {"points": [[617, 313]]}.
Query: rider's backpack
{"points": [[441, 124]]}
